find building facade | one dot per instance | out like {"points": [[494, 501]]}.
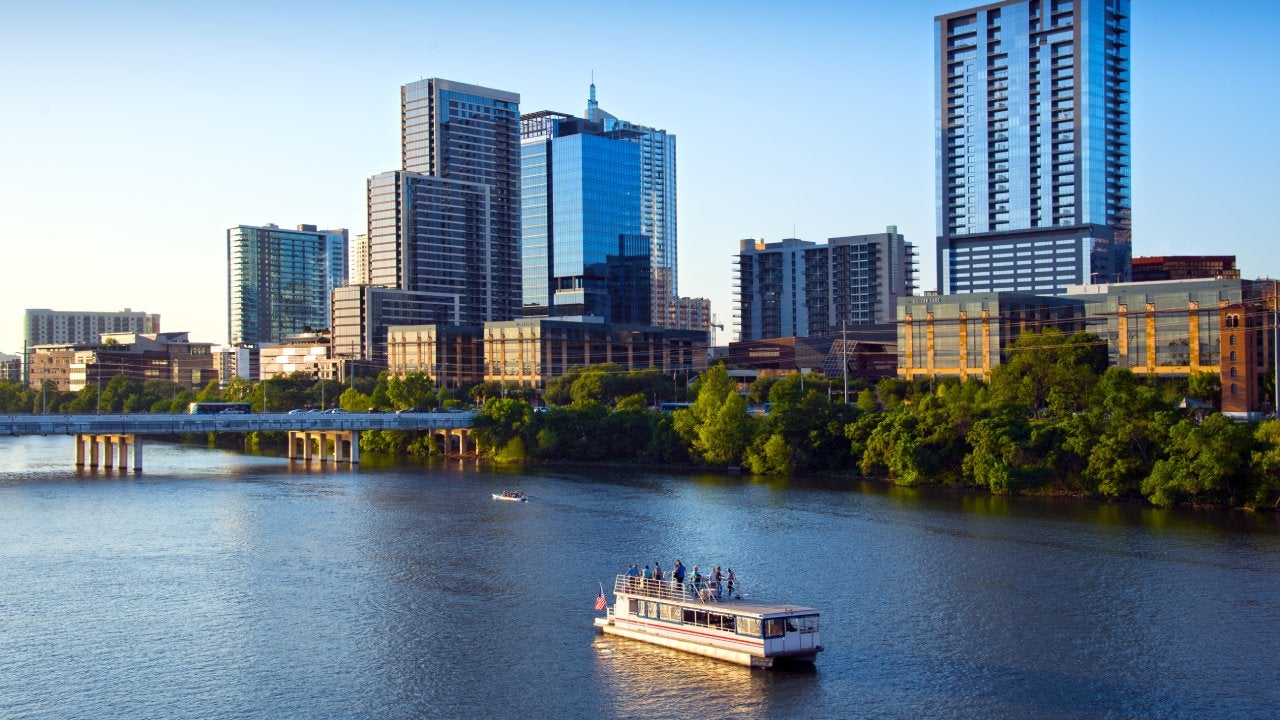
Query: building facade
{"points": [[1167, 329], [1184, 267], [531, 351], [139, 356], [658, 202], [966, 335], [799, 288], [443, 240], [1032, 146], [452, 356], [583, 251], [771, 288], [279, 280], [59, 327]]}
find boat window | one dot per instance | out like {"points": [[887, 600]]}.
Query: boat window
{"points": [[651, 609], [633, 606], [670, 613], [723, 622], [807, 623], [749, 626], [774, 627]]}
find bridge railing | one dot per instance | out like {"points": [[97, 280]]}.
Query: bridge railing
{"points": [[166, 423]]}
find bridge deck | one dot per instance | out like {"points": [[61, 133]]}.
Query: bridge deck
{"points": [[168, 424]]}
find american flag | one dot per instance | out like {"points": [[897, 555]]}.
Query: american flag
{"points": [[601, 603]]}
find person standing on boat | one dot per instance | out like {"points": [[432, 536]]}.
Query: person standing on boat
{"points": [[657, 571], [731, 579], [678, 573]]}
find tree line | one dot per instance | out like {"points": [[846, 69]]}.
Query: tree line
{"points": [[1052, 419]]}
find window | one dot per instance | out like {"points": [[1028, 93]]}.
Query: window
{"points": [[1231, 339], [749, 626], [1233, 353], [774, 628], [1234, 372], [1233, 388]]}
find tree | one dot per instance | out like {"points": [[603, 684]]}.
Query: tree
{"points": [[1121, 433], [1206, 387], [1048, 372], [1203, 461], [1265, 463], [352, 400], [414, 390]]}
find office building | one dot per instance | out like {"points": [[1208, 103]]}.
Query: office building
{"points": [[1184, 267], [10, 368], [1032, 146], [799, 288], [359, 260], [279, 280], [658, 202], [583, 254], [599, 218], [42, 326], [140, 357], [1166, 329], [444, 230], [451, 355]]}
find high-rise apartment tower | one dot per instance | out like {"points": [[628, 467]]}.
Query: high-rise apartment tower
{"points": [[1032, 145], [279, 280]]}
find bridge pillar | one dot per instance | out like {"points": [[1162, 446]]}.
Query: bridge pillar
{"points": [[111, 445], [306, 447], [355, 447]]}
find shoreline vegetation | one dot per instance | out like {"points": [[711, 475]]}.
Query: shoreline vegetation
{"points": [[1053, 419]]}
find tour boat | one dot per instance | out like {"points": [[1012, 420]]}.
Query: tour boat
{"points": [[707, 621], [513, 495]]}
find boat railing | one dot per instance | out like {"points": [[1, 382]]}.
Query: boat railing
{"points": [[706, 591]]}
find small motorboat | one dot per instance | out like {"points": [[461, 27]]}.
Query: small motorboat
{"points": [[512, 495]]}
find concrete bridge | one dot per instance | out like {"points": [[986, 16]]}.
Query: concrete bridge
{"points": [[318, 435]]}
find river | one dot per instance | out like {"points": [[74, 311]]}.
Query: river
{"points": [[223, 585]]}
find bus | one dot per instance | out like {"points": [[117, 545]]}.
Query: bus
{"points": [[213, 408]]}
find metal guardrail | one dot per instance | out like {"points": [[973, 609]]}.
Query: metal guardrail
{"points": [[168, 424], [705, 591]]}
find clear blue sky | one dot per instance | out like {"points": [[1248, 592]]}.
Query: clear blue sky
{"points": [[132, 135]]}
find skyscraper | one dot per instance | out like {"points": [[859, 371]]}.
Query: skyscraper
{"points": [[1032, 145], [279, 280], [444, 230], [657, 204], [598, 223], [583, 252]]}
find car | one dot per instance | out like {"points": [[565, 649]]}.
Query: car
{"points": [[334, 411]]}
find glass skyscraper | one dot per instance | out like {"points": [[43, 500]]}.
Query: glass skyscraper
{"points": [[1032, 145], [598, 224], [584, 254], [279, 280]]}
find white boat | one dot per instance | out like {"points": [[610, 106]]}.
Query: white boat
{"points": [[705, 620], [514, 496]]}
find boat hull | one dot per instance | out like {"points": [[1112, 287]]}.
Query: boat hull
{"points": [[728, 655]]}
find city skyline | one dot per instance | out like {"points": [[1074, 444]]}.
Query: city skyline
{"points": [[815, 124]]}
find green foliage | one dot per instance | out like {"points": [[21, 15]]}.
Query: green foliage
{"points": [[500, 421], [1264, 461], [999, 458], [1048, 372], [770, 455], [1206, 387], [352, 400], [18, 398], [414, 390], [1121, 433], [866, 401], [1202, 464]]}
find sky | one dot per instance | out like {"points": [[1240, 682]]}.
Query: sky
{"points": [[133, 134]]}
